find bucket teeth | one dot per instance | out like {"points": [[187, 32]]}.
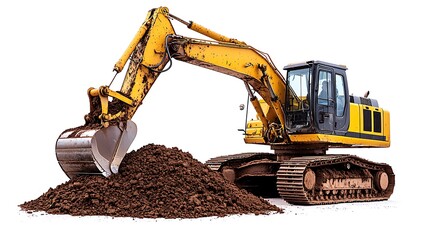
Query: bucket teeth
{"points": [[95, 151]]}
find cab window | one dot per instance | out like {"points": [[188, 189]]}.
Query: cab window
{"points": [[340, 95], [299, 81], [324, 88]]}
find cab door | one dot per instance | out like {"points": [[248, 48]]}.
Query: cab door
{"points": [[325, 100], [342, 103]]}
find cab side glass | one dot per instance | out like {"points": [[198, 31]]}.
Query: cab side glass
{"points": [[340, 95], [324, 88]]}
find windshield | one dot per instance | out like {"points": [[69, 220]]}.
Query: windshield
{"points": [[299, 81]]}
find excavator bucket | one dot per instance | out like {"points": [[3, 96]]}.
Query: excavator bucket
{"points": [[94, 151]]}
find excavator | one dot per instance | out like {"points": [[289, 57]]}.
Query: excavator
{"points": [[300, 115]]}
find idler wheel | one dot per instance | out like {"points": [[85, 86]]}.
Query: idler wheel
{"points": [[309, 179], [381, 180]]}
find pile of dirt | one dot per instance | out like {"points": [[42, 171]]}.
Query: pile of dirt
{"points": [[153, 182]]}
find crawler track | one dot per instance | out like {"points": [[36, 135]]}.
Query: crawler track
{"points": [[337, 179]]}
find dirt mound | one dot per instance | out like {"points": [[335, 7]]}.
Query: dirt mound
{"points": [[153, 182]]}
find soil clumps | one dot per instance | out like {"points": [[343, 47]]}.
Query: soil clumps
{"points": [[153, 182]]}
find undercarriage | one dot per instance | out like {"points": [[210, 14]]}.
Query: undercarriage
{"points": [[308, 180]]}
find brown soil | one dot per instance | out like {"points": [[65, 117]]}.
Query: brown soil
{"points": [[153, 182]]}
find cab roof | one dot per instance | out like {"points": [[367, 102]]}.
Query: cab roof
{"points": [[313, 62]]}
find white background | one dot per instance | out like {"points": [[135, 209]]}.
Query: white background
{"points": [[51, 52]]}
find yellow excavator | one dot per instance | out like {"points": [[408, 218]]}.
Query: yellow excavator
{"points": [[300, 116]]}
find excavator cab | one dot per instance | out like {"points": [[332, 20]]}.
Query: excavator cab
{"points": [[324, 98]]}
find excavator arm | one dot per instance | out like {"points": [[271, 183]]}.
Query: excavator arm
{"points": [[147, 58], [99, 146]]}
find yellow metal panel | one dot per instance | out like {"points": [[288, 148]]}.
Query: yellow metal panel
{"points": [[259, 111], [372, 109], [254, 132], [156, 44], [334, 139], [355, 120], [386, 125], [254, 140], [269, 112]]}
